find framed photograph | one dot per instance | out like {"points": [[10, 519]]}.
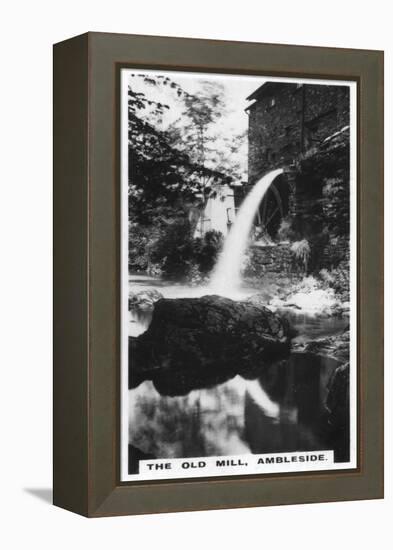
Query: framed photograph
{"points": [[218, 261]]}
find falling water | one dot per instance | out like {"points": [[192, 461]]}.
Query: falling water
{"points": [[226, 277]]}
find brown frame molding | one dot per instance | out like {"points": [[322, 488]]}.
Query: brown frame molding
{"points": [[86, 273]]}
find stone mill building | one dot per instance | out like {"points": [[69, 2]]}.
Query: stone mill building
{"points": [[287, 119], [304, 129]]}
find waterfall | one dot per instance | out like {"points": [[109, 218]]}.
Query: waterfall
{"points": [[226, 278]]}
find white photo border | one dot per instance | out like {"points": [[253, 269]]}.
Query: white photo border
{"points": [[124, 277]]}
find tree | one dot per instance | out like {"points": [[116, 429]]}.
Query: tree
{"points": [[161, 174], [196, 133], [173, 171]]}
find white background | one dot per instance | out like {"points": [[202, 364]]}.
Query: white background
{"points": [[27, 31]]}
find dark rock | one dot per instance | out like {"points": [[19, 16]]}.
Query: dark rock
{"points": [[337, 405], [144, 300], [338, 389], [211, 334], [134, 456]]}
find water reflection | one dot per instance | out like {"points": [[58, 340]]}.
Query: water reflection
{"points": [[281, 408], [310, 327], [276, 408]]}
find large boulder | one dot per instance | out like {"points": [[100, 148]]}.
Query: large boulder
{"points": [[211, 334]]}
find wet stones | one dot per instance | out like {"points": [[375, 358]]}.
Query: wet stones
{"points": [[336, 346], [143, 301]]}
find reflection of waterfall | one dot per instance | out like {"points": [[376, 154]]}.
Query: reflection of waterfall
{"points": [[260, 397], [226, 276], [205, 422]]}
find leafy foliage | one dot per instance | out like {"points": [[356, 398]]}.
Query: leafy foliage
{"points": [[174, 249], [182, 257], [301, 251], [172, 173], [196, 133], [336, 205], [338, 279]]}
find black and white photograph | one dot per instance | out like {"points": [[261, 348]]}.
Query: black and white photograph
{"points": [[195, 238], [238, 268]]}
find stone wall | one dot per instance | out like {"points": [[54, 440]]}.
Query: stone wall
{"points": [[276, 259], [279, 260], [288, 119], [274, 133]]}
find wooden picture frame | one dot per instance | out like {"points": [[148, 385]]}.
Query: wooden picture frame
{"points": [[87, 274]]}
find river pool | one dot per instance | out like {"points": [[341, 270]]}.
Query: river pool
{"points": [[277, 408]]}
